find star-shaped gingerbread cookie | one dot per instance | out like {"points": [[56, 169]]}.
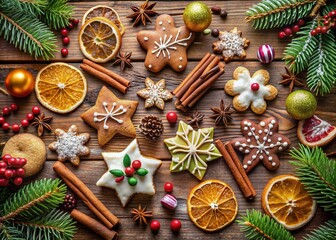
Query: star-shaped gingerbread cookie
{"points": [[70, 145], [111, 115], [129, 172], [167, 45]]}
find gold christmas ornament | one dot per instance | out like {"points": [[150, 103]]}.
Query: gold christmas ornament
{"points": [[197, 16], [19, 83]]}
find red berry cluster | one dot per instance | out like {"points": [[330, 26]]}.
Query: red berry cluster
{"points": [[24, 122], [65, 32], [69, 203], [289, 31], [328, 23], [11, 169]]}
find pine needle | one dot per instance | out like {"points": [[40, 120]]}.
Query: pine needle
{"points": [[57, 14], [325, 232]]}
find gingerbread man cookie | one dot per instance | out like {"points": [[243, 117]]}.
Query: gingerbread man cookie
{"points": [[250, 90], [261, 142], [167, 45]]}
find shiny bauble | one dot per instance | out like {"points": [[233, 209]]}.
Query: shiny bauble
{"points": [[197, 16], [19, 83]]}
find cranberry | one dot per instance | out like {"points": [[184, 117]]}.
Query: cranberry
{"points": [[254, 87], [36, 110], [66, 40], [2, 120], [14, 107], [8, 173], [6, 157], [4, 182], [3, 164], [23, 162], [70, 26], [20, 172], [313, 32], [168, 187], [318, 30], [282, 35], [324, 30], [155, 225], [64, 52], [326, 23], [64, 32], [30, 116], [129, 171], [136, 164], [332, 14], [75, 22], [12, 162], [175, 225], [171, 117], [18, 181], [24, 123], [5, 126], [301, 22], [15, 127], [6, 111], [288, 31], [2, 171], [296, 28]]}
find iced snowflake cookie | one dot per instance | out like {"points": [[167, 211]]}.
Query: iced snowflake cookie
{"points": [[70, 145], [250, 90], [111, 115], [261, 142], [155, 93], [191, 150], [167, 45], [231, 44], [129, 172]]}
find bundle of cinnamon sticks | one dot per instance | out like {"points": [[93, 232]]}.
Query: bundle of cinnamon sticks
{"points": [[106, 75], [198, 81]]}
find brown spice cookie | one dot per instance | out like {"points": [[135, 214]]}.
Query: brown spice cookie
{"points": [[27, 146], [111, 115], [261, 142], [167, 45]]}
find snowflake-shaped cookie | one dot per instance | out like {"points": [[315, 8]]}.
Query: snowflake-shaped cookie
{"points": [[250, 90], [231, 44], [261, 142], [70, 145], [155, 93], [191, 150]]}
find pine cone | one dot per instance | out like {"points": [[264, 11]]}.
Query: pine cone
{"points": [[151, 126]]}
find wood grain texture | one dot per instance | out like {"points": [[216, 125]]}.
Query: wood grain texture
{"points": [[92, 167]]}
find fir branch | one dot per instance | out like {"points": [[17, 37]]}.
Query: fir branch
{"points": [[325, 232], [298, 53], [317, 173], [10, 233], [331, 5], [321, 70], [27, 33], [34, 199], [32, 7], [278, 13]]}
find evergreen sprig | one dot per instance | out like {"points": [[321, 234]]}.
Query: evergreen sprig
{"points": [[317, 173], [325, 232], [32, 7], [258, 226], [278, 13]]}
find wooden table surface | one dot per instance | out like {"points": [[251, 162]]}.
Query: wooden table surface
{"points": [[92, 167]]}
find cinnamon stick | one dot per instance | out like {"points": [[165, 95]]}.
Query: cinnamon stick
{"points": [[94, 225], [87, 196]]}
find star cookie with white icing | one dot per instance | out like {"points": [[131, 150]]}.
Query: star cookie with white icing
{"points": [[167, 45], [260, 143], [191, 150], [129, 172], [111, 115], [70, 145], [250, 91]]}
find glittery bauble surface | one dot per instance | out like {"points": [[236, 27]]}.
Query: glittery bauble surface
{"points": [[19, 83], [266, 53], [197, 16]]}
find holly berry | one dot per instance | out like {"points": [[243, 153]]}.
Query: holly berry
{"points": [[15, 127], [301, 22], [129, 171], [4, 182], [24, 123], [30, 116], [70, 26], [282, 35], [23, 162], [12, 162], [168, 187], [313, 32], [64, 52], [20, 172], [288, 31], [136, 164], [254, 87], [5, 126], [332, 14], [66, 40], [296, 28], [64, 32], [6, 111], [324, 30], [8, 173], [171, 117], [6, 157], [2, 120], [155, 225], [75, 22], [14, 107], [3, 164], [36, 110], [18, 181], [2, 171], [175, 225]]}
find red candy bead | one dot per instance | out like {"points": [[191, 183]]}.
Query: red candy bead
{"points": [[282, 35], [30, 116], [64, 52], [64, 32], [136, 164], [288, 31], [2, 120], [5, 126], [36, 110], [24, 123], [66, 40], [18, 181], [14, 107], [15, 128], [168, 187], [254, 87], [155, 225], [129, 171], [119, 179], [175, 225], [171, 117], [4, 182], [6, 157], [8, 173], [6, 111]]}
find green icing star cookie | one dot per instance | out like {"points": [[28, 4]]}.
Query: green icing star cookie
{"points": [[191, 150]]}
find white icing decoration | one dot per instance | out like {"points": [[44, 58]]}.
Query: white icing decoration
{"points": [[146, 39], [180, 58], [262, 124], [169, 21], [109, 114], [150, 65], [160, 23], [163, 29], [180, 66]]}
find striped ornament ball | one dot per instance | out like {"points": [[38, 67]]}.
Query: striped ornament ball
{"points": [[266, 53]]}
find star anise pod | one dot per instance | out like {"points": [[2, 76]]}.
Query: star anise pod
{"points": [[290, 79], [195, 118], [123, 58], [222, 114], [42, 122], [142, 13], [140, 215]]}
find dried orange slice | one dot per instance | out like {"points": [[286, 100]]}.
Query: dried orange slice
{"points": [[99, 39], [60, 87], [285, 199], [212, 205], [106, 12]]}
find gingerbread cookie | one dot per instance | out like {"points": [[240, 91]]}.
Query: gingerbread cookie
{"points": [[191, 150], [70, 145], [231, 44], [129, 172], [111, 115], [261, 142], [167, 45], [30, 147], [250, 90]]}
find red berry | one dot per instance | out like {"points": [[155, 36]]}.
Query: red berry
{"points": [[14, 107], [15, 127], [12, 162], [20, 172], [24, 123], [4, 182], [75, 22], [3, 164], [168, 187], [313, 32], [325, 16], [6, 111], [333, 26], [332, 14], [129, 171], [2, 120], [14, 172], [326, 23], [64, 52], [175, 225], [254, 87], [36, 110], [318, 30], [282, 35], [119, 179], [2, 171], [8, 173], [5, 126], [23, 162], [30, 116], [171, 117], [155, 225], [288, 31], [301, 22], [6, 157], [64, 32], [18, 181], [70, 26], [66, 40], [136, 164], [296, 28], [324, 30]]}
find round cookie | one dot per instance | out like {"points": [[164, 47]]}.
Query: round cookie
{"points": [[27, 146]]}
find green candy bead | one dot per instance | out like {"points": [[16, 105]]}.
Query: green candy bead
{"points": [[117, 172], [141, 172], [127, 161], [132, 181]]}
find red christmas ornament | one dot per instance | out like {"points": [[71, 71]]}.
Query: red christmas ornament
{"points": [[266, 53], [155, 225], [171, 117], [64, 52]]}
